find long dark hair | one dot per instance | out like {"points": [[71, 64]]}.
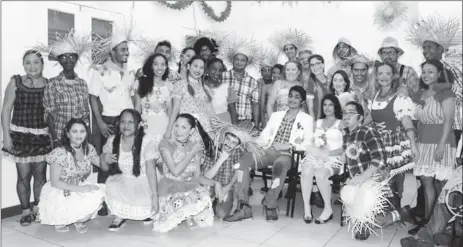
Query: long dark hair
{"points": [[194, 123], [179, 64], [337, 106], [146, 82], [66, 142], [191, 90], [440, 69], [346, 80], [137, 144]]}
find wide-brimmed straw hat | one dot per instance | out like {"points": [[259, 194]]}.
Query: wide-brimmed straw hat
{"points": [[390, 42]]}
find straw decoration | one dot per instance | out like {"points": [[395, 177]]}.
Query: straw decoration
{"points": [[291, 36], [233, 46], [389, 15]]}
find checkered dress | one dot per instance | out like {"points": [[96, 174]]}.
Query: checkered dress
{"points": [[65, 99], [247, 91], [28, 130]]}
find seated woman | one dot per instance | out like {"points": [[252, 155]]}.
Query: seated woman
{"points": [[67, 199], [340, 86], [323, 159], [181, 196], [131, 190]]}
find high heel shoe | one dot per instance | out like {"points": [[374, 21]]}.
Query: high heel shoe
{"points": [[308, 220], [320, 222]]}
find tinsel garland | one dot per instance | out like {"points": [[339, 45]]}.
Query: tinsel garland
{"points": [[210, 12], [179, 5]]}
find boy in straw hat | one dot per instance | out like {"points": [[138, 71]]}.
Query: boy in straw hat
{"points": [[367, 198], [390, 52], [111, 88], [241, 54], [342, 51]]}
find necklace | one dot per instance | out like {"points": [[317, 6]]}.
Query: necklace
{"points": [[182, 143]]}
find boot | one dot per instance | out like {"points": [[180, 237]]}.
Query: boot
{"points": [[244, 211]]}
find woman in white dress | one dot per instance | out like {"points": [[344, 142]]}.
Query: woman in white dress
{"points": [[323, 160], [67, 198], [131, 190]]}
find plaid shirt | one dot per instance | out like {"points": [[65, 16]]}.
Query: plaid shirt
{"points": [[284, 131], [457, 89], [247, 91], [65, 101], [226, 172], [409, 78], [363, 147]]}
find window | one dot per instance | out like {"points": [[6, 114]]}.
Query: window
{"points": [[101, 29], [59, 24]]}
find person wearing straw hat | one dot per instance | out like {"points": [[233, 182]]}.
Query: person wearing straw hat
{"points": [[368, 201], [390, 52], [342, 51], [110, 91], [290, 41], [66, 95]]}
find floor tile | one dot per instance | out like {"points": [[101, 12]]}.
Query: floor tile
{"points": [[256, 231], [21, 239], [6, 231], [217, 240], [316, 237]]}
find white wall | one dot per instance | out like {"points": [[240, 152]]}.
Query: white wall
{"points": [[324, 22]]}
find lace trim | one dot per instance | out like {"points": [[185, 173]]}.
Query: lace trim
{"points": [[10, 157], [21, 129]]}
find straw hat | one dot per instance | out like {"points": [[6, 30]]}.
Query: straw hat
{"points": [[291, 36], [353, 51], [269, 57], [435, 29], [360, 58], [103, 46], [390, 42], [234, 46], [147, 46]]}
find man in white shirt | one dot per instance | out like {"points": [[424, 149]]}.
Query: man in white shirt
{"points": [[110, 89]]}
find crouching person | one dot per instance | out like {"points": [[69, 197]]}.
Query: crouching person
{"points": [[284, 132], [367, 197]]}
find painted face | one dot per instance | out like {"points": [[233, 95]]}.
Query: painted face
{"points": [[328, 107], [276, 74], [205, 52], [182, 129], [164, 50], [304, 60], [266, 73], [159, 66], [343, 50], [215, 71], [291, 71], [294, 100], [360, 71], [127, 124], [431, 51], [429, 74], [389, 55], [316, 66], [339, 84], [384, 75], [230, 142], [187, 56], [196, 68], [240, 62], [33, 65], [77, 134], [290, 51], [350, 117], [68, 61], [121, 52]]}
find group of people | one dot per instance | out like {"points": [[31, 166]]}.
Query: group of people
{"points": [[175, 146]]}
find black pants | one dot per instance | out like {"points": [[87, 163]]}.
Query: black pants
{"points": [[111, 122], [397, 186]]}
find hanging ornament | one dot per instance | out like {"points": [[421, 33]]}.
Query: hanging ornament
{"points": [[179, 5], [389, 15], [210, 12]]}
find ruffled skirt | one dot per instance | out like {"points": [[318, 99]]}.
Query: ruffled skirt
{"points": [[128, 197], [398, 151], [180, 200], [428, 167], [28, 147], [56, 208], [333, 164]]}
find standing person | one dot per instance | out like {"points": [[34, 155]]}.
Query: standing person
{"points": [[390, 52], [290, 41], [110, 90], [342, 52], [223, 95], [206, 48], [66, 95], [247, 89], [165, 48], [317, 86], [185, 56], [303, 58], [131, 190], [25, 134], [436, 140], [68, 198]]}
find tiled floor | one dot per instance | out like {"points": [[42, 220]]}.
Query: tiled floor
{"points": [[257, 232]]}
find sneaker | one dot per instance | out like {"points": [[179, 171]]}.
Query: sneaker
{"points": [[62, 228], [116, 225], [242, 213], [81, 227]]}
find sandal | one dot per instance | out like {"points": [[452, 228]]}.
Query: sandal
{"points": [[26, 220], [62, 228]]}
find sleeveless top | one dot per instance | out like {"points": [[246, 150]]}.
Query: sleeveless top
{"points": [[333, 134], [28, 106], [383, 114], [220, 98]]}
